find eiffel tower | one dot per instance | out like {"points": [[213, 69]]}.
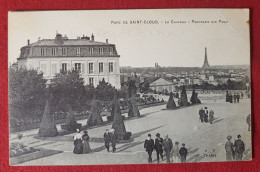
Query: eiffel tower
{"points": [[206, 63]]}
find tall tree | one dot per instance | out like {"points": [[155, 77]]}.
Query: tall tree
{"points": [[194, 97], [27, 93], [133, 107], [48, 127], [118, 122], [171, 104], [68, 89], [183, 99], [94, 116]]}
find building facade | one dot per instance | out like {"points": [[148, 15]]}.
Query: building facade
{"points": [[95, 60], [161, 86]]}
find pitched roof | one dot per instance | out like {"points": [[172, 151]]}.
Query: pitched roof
{"points": [[66, 42]]}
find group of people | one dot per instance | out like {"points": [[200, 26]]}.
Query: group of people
{"points": [[81, 143], [233, 98], [110, 137], [160, 145], [234, 151], [206, 116]]}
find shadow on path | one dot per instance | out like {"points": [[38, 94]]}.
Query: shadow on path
{"points": [[217, 120]]}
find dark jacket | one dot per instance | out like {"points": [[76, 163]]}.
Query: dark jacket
{"points": [[158, 145], [239, 146], [167, 144], [183, 151], [107, 137], [149, 145]]}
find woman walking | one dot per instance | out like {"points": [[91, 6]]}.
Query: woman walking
{"points": [[86, 147], [78, 147]]}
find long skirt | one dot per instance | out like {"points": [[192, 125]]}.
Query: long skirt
{"points": [[78, 147], [86, 147]]}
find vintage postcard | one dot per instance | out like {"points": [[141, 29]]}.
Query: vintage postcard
{"points": [[129, 86]]}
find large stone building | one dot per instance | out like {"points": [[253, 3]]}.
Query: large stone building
{"points": [[95, 60]]}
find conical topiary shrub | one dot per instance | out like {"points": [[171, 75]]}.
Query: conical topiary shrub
{"points": [[47, 126], [133, 108], [171, 104], [94, 115], [118, 122], [71, 123], [194, 97], [183, 99]]}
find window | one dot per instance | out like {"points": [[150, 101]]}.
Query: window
{"points": [[90, 67], [100, 51], [91, 51], [111, 67], [43, 68], [64, 66], [101, 67], [78, 51], [42, 52], [78, 66], [64, 51], [111, 51], [53, 68], [91, 81], [53, 51]]}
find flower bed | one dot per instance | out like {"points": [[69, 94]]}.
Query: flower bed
{"points": [[18, 149]]}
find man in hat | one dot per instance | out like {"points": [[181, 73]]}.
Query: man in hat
{"points": [[206, 112], [158, 145], [229, 148], [113, 137], [167, 145], [183, 153], [107, 139], [149, 145], [239, 148], [201, 113], [248, 121]]}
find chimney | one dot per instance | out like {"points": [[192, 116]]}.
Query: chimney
{"points": [[107, 41], [92, 37], [28, 41]]}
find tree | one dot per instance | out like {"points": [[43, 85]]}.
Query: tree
{"points": [[68, 89], [171, 104], [94, 116], [71, 123], [118, 122], [27, 93], [183, 99], [133, 107], [104, 91], [47, 126], [194, 97]]}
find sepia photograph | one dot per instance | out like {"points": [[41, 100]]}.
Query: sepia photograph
{"points": [[139, 86]]}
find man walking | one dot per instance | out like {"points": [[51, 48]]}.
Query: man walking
{"points": [[183, 153], [229, 149], [239, 148], [167, 145], [107, 139], [149, 145], [158, 145], [248, 121], [175, 152], [113, 137], [206, 112], [201, 114]]}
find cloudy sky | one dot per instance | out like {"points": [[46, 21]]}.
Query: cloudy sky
{"points": [[172, 44]]}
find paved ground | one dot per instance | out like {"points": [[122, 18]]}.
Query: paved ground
{"points": [[181, 125]]}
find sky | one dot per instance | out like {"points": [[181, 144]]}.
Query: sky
{"points": [[143, 45]]}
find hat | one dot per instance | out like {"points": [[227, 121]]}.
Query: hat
{"points": [[229, 137], [149, 135], [206, 108], [183, 144], [85, 132], [157, 135], [112, 130], [239, 136], [77, 130]]}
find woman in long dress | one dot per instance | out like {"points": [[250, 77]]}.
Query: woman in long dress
{"points": [[86, 147], [78, 147]]}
